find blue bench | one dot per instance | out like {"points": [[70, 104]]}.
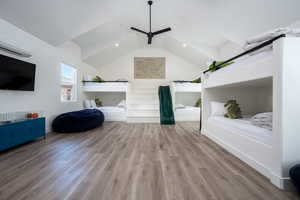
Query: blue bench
{"points": [[16, 133]]}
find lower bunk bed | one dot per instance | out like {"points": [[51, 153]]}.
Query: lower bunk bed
{"points": [[113, 113], [250, 143], [187, 113]]}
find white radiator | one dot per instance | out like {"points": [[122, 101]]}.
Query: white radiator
{"points": [[6, 117]]}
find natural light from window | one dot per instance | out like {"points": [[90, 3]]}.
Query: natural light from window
{"points": [[68, 83]]}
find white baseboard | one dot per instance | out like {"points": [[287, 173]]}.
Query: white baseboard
{"points": [[283, 183]]}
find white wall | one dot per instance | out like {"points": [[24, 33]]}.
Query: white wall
{"points": [[176, 67], [296, 24], [47, 58], [228, 50]]}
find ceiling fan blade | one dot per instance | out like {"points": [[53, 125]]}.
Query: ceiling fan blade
{"points": [[149, 39], [162, 31], [138, 30]]}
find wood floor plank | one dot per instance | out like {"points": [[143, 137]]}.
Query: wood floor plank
{"points": [[121, 161]]}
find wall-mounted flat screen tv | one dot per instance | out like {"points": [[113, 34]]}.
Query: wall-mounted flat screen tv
{"points": [[16, 74]]}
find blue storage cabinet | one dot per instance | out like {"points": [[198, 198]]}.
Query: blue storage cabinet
{"points": [[17, 133]]}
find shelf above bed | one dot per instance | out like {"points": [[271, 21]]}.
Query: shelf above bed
{"points": [[186, 86], [107, 86], [251, 68]]}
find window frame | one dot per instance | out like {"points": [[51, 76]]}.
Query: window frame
{"points": [[74, 96]]}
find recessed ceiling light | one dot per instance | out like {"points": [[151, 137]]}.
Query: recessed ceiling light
{"points": [[184, 45], [117, 44]]}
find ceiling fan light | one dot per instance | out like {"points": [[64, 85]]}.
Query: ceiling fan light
{"points": [[117, 44]]}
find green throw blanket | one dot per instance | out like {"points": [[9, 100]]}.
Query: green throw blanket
{"points": [[166, 106]]}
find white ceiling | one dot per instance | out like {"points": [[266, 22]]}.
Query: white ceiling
{"points": [[96, 25]]}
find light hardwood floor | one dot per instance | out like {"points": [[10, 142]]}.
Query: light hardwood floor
{"points": [[122, 161]]}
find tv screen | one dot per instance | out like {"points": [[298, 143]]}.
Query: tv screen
{"points": [[16, 74]]}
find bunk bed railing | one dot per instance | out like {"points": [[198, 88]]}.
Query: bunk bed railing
{"points": [[262, 45]]}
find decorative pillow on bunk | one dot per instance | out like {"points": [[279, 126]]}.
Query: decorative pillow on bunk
{"points": [[263, 120], [122, 104], [233, 110], [93, 104], [217, 108], [98, 102]]}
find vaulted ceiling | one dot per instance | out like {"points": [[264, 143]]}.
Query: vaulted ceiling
{"points": [[97, 25]]}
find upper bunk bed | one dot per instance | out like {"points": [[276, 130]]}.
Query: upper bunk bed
{"points": [[105, 86], [186, 86], [247, 67]]}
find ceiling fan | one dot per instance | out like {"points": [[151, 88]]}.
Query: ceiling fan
{"points": [[151, 34]]}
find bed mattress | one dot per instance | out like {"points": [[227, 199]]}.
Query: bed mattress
{"points": [[113, 113], [243, 127], [111, 109], [189, 113]]}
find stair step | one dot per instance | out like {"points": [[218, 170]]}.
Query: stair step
{"points": [[143, 97], [143, 102], [144, 92], [143, 119], [143, 107], [130, 114]]}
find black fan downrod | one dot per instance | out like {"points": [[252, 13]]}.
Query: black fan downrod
{"points": [[151, 34]]}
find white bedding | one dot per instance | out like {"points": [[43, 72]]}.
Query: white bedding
{"points": [[113, 113], [111, 109], [189, 113], [243, 127], [189, 108]]}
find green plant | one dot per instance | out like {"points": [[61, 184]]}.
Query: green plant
{"points": [[213, 67], [98, 79], [198, 103], [198, 80]]}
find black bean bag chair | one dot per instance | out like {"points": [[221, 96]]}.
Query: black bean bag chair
{"points": [[295, 176], [78, 121]]}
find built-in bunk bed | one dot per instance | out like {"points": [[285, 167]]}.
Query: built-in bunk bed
{"points": [[267, 82], [113, 95], [185, 96]]}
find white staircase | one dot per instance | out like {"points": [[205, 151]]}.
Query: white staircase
{"points": [[143, 101]]}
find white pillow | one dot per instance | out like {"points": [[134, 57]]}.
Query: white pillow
{"points": [[122, 104], [179, 106], [87, 104], [93, 104], [217, 108]]}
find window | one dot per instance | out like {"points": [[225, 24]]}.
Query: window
{"points": [[68, 83]]}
